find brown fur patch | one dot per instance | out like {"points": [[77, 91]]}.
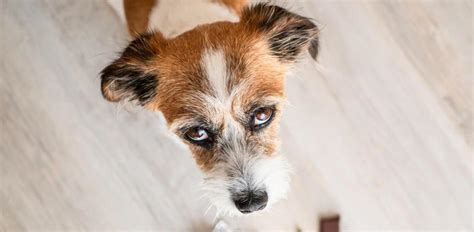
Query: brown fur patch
{"points": [[137, 13]]}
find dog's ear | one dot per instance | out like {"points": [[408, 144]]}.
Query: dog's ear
{"points": [[133, 76], [288, 34]]}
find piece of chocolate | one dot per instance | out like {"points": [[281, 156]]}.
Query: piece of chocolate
{"points": [[329, 224]]}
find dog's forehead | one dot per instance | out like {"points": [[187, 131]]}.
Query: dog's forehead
{"points": [[217, 68]]}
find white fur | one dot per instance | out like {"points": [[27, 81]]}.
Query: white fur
{"points": [[173, 17], [215, 67], [273, 172]]}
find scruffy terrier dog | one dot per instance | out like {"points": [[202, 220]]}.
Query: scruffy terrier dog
{"points": [[216, 70]]}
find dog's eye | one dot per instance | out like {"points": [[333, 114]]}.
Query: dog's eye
{"points": [[197, 134], [262, 117]]}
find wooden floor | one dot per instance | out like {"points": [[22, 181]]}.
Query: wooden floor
{"points": [[380, 131]]}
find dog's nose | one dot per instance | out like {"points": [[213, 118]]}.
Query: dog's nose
{"points": [[252, 201]]}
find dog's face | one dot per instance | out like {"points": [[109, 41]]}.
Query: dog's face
{"points": [[221, 87]]}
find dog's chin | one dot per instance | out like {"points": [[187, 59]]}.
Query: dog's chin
{"points": [[270, 172]]}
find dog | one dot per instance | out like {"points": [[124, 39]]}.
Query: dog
{"points": [[215, 69]]}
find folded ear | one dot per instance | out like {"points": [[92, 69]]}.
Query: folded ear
{"points": [[133, 76], [288, 34]]}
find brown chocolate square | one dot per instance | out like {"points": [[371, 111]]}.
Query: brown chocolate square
{"points": [[329, 224]]}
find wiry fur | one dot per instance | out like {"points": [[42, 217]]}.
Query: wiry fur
{"points": [[215, 76], [259, 172], [130, 76], [288, 33]]}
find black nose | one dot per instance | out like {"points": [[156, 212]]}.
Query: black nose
{"points": [[251, 201]]}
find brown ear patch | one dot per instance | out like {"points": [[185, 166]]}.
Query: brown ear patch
{"points": [[288, 33], [132, 77], [137, 13]]}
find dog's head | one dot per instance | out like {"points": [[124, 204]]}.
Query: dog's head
{"points": [[220, 87]]}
